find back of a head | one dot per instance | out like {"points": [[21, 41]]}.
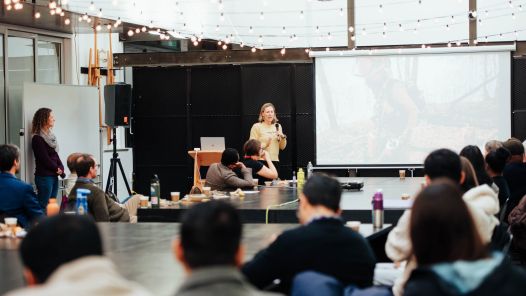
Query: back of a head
{"points": [[229, 156], [497, 159], [514, 146], [252, 147], [59, 240], [441, 227], [8, 154], [322, 190], [474, 155], [83, 164], [443, 163], [470, 176], [210, 234], [492, 145], [72, 160]]}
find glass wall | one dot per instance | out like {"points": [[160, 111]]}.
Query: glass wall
{"points": [[48, 62], [3, 118], [20, 69]]}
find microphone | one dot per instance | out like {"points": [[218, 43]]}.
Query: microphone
{"points": [[277, 130]]}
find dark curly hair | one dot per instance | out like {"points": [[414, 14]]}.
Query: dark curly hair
{"points": [[40, 120]]}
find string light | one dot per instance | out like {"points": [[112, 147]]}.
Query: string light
{"points": [[37, 15], [253, 49], [108, 27], [98, 28], [282, 51], [143, 29], [67, 21], [137, 31], [130, 32]]}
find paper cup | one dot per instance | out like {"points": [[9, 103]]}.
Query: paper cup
{"points": [[175, 196], [206, 191], [143, 201], [354, 225]]}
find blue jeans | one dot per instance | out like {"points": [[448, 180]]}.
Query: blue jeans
{"points": [[47, 187]]}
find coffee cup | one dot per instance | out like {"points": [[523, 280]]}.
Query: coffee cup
{"points": [[405, 196], [143, 201], [175, 196], [206, 191], [268, 183], [402, 174], [256, 182], [354, 225], [11, 223]]}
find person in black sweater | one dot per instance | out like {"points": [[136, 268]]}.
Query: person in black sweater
{"points": [[451, 257], [253, 153], [495, 163], [323, 244], [515, 173]]}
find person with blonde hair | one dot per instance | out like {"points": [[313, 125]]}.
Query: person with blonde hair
{"points": [[269, 132]]}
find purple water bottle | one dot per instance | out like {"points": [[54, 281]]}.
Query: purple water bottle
{"points": [[378, 209]]}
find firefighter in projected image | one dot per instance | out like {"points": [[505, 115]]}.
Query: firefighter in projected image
{"points": [[395, 111]]}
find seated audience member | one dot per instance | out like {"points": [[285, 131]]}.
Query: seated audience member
{"points": [[482, 202], [210, 250], [220, 176], [515, 173], [474, 155], [322, 244], [63, 255], [253, 152], [492, 145], [17, 199], [517, 221], [495, 163], [70, 181], [101, 205], [470, 177], [452, 259]]}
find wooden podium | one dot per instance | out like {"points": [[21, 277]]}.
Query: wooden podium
{"points": [[203, 158]]}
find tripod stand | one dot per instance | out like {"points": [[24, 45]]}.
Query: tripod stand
{"points": [[111, 183]]}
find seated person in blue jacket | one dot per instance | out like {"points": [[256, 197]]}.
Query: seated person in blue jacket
{"points": [[17, 199]]}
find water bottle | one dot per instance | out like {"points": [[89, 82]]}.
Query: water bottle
{"points": [[155, 192], [310, 167], [378, 209], [294, 181], [82, 201]]}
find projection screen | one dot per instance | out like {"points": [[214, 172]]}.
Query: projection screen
{"points": [[393, 109]]}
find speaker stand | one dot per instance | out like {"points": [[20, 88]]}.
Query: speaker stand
{"points": [[111, 183]]}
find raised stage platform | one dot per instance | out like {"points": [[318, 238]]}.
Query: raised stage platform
{"points": [[356, 205]]}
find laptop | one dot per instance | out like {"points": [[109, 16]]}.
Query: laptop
{"points": [[213, 143]]}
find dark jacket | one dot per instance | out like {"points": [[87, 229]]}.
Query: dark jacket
{"points": [[324, 245], [100, 205], [503, 280], [515, 175], [18, 199], [504, 190], [219, 280], [47, 160], [517, 221]]}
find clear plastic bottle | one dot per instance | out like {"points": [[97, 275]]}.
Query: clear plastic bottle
{"points": [[294, 180], [155, 192], [82, 201], [378, 209], [310, 168]]}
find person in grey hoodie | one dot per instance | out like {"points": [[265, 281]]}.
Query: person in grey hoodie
{"points": [[63, 255], [452, 259]]}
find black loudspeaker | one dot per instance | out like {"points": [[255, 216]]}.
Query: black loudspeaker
{"points": [[118, 99]]}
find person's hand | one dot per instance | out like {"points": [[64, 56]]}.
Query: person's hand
{"points": [[240, 165], [59, 171], [265, 155]]}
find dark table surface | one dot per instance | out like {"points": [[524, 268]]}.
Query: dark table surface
{"points": [[142, 252], [356, 204]]}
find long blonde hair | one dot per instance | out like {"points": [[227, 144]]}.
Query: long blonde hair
{"points": [[260, 119]]}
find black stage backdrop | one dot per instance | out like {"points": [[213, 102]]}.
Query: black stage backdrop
{"points": [[174, 106]]}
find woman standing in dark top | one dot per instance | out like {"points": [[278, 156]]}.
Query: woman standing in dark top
{"points": [[254, 152], [496, 161], [47, 162]]}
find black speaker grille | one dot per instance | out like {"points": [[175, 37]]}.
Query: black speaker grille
{"points": [[519, 86]]}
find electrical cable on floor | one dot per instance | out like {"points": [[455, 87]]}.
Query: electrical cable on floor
{"points": [[277, 206]]}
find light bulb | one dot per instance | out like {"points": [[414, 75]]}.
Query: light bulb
{"points": [[67, 21], [253, 49], [307, 50], [351, 29], [353, 38], [242, 45], [143, 29], [58, 10], [52, 12], [98, 28], [458, 43], [449, 44], [85, 17], [100, 12], [219, 42], [130, 33], [423, 46], [7, 2], [282, 51], [52, 5], [115, 25], [9, 7], [62, 14], [224, 47], [327, 49], [108, 27], [196, 43], [89, 20], [137, 30], [80, 19], [37, 15]]}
